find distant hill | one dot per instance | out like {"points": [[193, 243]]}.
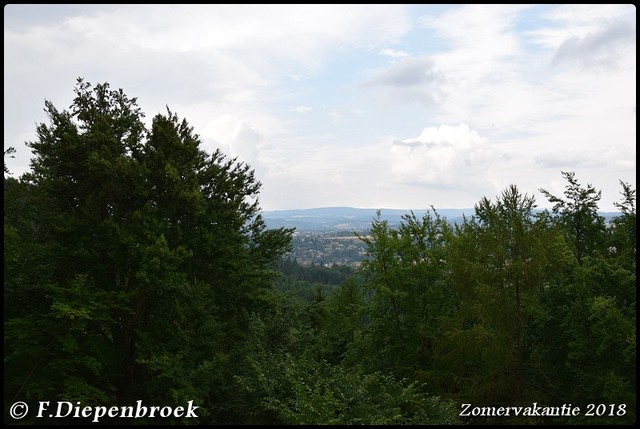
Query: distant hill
{"points": [[346, 218], [356, 219]]}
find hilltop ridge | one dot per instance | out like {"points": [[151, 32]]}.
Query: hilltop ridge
{"points": [[347, 218], [343, 218]]}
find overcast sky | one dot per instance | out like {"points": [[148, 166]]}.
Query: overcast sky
{"points": [[376, 106]]}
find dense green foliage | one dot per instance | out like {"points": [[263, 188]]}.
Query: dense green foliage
{"points": [[510, 307], [138, 267], [134, 261]]}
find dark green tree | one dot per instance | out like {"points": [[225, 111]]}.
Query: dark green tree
{"points": [[150, 258], [578, 215], [341, 331], [405, 273], [586, 323], [303, 390], [623, 227], [502, 259]]}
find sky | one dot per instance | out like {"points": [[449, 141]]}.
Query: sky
{"points": [[371, 106]]}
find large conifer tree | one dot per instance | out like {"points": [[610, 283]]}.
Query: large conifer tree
{"points": [[135, 271]]}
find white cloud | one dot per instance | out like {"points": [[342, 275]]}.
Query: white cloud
{"points": [[599, 47], [589, 36], [587, 14], [409, 73], [230, 56], [485, 33], [394, 53], [568, 160], [235, 136], [440, 155], [583, 25], [413, 79], [260, 34]]}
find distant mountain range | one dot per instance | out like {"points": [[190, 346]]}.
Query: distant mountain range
{"points": [[356, 219], [346, 218]]}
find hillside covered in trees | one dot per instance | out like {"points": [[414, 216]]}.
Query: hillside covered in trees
{"points": [[138, 267]]}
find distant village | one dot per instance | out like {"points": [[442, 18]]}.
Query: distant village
{"points": [[330, 236], [328, 248]]}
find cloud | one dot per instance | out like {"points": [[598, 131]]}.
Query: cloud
{"points": [[582, 16], [566, 160], [394, 54], [303, 109], [610, 157], [413, 79], [484, 32], [574, 29], [412, 72], [235, 137], [599, 47], [320, 171], [258, 33], [459, 82], [448, 156], [227, 59]]}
